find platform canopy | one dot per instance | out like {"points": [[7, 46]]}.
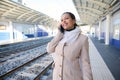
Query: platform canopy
{"points": [[16, 12], [91, 11]]}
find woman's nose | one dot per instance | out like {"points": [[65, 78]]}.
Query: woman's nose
{"points": [[64, 21]]}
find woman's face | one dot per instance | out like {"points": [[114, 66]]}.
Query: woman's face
{"points": [[67, 22]]}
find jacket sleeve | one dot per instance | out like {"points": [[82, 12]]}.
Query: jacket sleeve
{"points": [[53, 43], [85, 61]]}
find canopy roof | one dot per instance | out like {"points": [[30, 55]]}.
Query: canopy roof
{"points": [[17, 12], [91, 11]]}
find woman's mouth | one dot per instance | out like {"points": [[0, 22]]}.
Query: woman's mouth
{"points": [[65, 24]]}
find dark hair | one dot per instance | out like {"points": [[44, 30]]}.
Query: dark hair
{"points": [[72, 16]]}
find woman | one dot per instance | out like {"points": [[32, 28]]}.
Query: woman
{"points": [[70, 49]]}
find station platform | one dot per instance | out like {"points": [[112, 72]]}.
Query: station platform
{"points": [[104, 61], [16, 41], [110, 56]]}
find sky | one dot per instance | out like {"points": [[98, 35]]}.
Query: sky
{"points": [[52, 8]]}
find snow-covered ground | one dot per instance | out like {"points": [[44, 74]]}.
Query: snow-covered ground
{"points": [[21, 58], [32, 70]]}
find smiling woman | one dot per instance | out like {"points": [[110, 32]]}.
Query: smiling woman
{"points": [[70, 51]]}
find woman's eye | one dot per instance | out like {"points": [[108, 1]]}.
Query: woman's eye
{"points": [[67, 18], [64, 19]]}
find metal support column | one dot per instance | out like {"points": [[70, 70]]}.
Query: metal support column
{"points": [[11, 30], [107, 32], [99, 33]]}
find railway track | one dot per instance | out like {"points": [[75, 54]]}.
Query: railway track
{"points": [[31, 70], [30, 62], [11, 50], [7, 50]]}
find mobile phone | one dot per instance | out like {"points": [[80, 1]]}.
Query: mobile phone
{"points": [[61, 29]]}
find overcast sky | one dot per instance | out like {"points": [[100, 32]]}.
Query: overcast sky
{"points": [[53, 8]]}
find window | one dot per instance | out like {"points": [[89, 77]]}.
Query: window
{"points": [[2, 27]]}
